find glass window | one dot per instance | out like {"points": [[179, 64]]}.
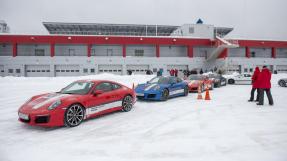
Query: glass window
{"points": [[116, 86], [92, 70], [104, 87], [72, 52], [139, 52], [77, 88], [160, 80], [18, 71], [39, 52], [191, 30], [10, 71], [85, 70]]}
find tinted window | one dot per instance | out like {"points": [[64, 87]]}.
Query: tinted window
{"points": [[116, 86], [195, 77], [178, 80], [160, 80], [104, 87], [78, 88]]}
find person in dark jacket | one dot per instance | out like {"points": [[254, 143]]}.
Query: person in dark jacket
{"points": [[201, 71], [175, 72], [255, 83], [265, 85]]}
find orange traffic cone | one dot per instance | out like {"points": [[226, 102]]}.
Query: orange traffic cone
{"points": [[199, 96], [207, 96]]}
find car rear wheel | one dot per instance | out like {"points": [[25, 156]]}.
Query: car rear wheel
{"points": [[185, 91], [231, 81], [165, 94], [127, 103], [74, 115]]}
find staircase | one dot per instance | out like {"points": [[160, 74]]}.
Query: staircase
{"points": [[221, 45]]}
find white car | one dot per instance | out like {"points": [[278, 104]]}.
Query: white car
{"points": [[244, 78]]}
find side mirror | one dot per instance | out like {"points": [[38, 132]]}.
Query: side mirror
{"points": [[98, 92]]}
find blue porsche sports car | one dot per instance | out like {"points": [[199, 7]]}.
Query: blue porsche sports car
{"points": [[162, 88]]}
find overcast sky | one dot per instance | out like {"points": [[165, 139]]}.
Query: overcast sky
{"points": [[255, 19]]}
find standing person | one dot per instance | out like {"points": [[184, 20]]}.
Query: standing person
{"points": [[265, 85], [171, 72], [175, 72], [255, 84], [201, 71]]}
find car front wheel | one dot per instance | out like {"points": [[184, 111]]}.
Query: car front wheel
{"points": [[127, 103], [74, 115], [231, 81], [282, 83], [165, 94]]}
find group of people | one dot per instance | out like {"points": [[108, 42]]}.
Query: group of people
{"points": [[173, 72], [261, 81]]}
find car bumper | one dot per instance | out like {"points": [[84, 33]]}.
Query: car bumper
{"points": [[193, 88], [149, 95], [44, 118]]}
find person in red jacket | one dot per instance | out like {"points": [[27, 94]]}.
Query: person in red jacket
{"points": [[265, 85], [171, 72], [255, 84]]}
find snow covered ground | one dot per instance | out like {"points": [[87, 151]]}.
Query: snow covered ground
{"points": [[227, 128]]}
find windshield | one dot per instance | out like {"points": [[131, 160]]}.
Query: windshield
{"points": [[77, 88], [159, 80], [213, 76], [195, 77]]}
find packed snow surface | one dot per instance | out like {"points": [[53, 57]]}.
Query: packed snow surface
{"points": [[226, 128]]}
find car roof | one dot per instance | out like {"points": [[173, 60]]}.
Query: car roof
{"points": [[96, 81]]}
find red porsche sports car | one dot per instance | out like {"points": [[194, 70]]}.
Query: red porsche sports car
{"points": [[78, 101], [194, 81]]}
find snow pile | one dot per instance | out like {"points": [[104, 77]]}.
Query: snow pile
{"points": [[184, 128]]}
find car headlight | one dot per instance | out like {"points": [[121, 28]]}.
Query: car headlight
{"points": [[157, 87], [54, 105]]}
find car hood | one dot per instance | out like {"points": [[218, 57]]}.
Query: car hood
{"points": [[193, 82], [43, 100], [148, 86]]}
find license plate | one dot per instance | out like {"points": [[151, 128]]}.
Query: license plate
{"points": [[140, 94], [23, 116]]}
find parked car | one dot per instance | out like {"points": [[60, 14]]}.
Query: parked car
{"points": [[282, 82], [161, 88], [194, 81], [244, 78], [218, 80], [78, 101]]}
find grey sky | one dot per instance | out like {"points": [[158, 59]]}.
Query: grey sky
{"points": [[255, 19]]}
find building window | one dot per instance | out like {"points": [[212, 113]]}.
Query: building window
{"points": [[110, 52], [39, 52], [10, 70], [139, 52], [191, 30], [85, 70], [93, 52], [245, 70], [92, 70], [18, 71], [72, 52], [253, 54]]}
